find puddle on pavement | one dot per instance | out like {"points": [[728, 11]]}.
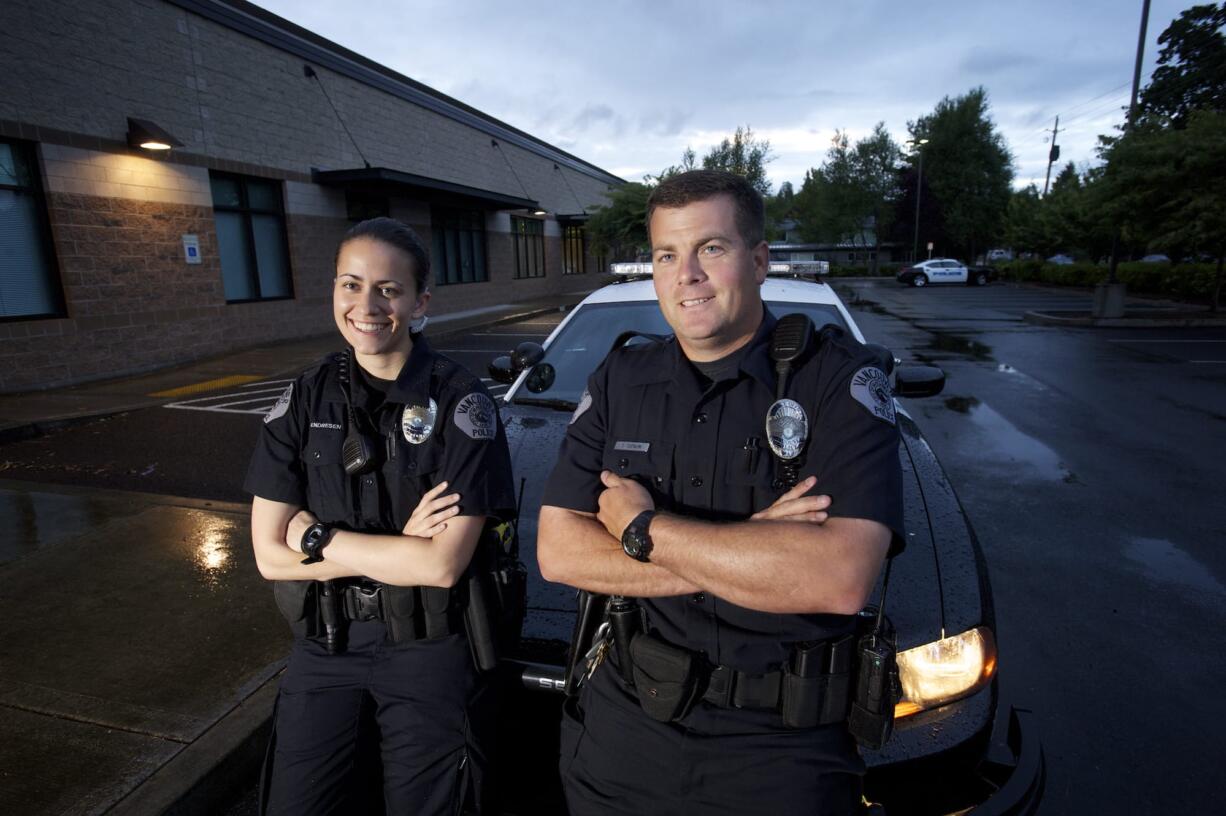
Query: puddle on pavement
{"points": [[962, 405], [958, 344], [997, 439], [36, 520], [1166, 562]]}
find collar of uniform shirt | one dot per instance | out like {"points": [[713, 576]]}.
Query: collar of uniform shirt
{"points": [[412, 385]]}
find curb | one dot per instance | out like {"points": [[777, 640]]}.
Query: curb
{"points": [[205, 776], [1175, 321]]}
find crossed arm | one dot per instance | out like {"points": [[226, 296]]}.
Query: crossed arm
{"points": [[788, 558], [433, 549]]}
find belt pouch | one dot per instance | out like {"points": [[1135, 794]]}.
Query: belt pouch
{"points": [[293, 599], [400, 612], [664, 678], [479, 624], [435, 601], [801, 700]]}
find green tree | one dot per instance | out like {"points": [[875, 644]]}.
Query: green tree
{"points": [[1191, 72], [743, 154], [831, 205], [875, 168], [1024, 227], [619, 228], [968, 168], [779, 208], [1168, 184]]}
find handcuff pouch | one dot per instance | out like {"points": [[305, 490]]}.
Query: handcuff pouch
{"points": [[400, 612], [665, 677], [295, 599]]}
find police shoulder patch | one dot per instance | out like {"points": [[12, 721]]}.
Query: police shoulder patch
{"points": [[585, 402], [281, 408], [871, 388], [476, 416]]}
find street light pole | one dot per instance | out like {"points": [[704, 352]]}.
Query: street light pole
{"points": [[919, 185]]}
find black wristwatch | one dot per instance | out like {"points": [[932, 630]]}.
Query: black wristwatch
{"points": [[635, 540], [314, 540]]}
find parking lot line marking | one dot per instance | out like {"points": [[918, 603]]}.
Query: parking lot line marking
{"points": [[207, 385], [1125, 340], [266, 382]]}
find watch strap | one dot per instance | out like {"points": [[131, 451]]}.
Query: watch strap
{"points": [[314, 540]]}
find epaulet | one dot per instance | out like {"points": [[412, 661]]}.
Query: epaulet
{"points": [[449, 374], [319, 365]]}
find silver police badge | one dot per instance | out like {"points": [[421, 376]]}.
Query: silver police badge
{"points": [[787, 428], [417, 422], [477, 416]]}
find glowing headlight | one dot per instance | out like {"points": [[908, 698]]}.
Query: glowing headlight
{"points": [[944, 670]]}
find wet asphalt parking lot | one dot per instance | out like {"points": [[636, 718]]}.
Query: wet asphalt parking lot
{"points": [[1090, 462]]}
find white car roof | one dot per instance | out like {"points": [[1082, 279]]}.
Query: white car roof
{"points": [[785, 290]]}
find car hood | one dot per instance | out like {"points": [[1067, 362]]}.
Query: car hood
{"points": [[937, 586]]}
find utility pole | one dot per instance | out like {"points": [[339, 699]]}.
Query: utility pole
{"points": [[1109, 296], [918, 145], [1052, 155]]}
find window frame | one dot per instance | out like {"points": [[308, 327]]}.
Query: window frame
{"points": [[528, 234], [245, 210], [45, 237], [444, 220], [571, 232]]}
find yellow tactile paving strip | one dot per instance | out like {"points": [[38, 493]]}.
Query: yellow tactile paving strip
{"points": [[207, 385]]}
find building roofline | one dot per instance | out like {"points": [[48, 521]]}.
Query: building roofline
{"points": [[278, 32]]}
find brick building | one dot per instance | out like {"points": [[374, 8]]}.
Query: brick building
{"points": [[116, 258]]}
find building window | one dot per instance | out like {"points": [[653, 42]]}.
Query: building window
{"points": [[250, 238], [528, 235], [29, 286], [459, 246], [574, 250]]}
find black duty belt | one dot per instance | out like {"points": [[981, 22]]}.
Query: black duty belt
{"points": [[808, 701], [362, 602]]}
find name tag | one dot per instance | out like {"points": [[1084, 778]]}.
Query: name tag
{"points": [[636, 447]]}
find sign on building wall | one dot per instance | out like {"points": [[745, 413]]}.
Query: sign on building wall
{"points": [[191, 249]]}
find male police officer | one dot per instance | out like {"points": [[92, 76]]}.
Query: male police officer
{"points": [[668, 490]]}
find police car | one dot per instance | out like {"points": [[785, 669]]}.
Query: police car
{"points": [[956, 745], [943, 270]]}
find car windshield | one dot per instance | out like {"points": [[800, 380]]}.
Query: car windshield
{"points": [[559, 379]]}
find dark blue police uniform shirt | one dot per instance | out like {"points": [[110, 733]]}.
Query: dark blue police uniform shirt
{"points": [[701, 451], [297, 459]]}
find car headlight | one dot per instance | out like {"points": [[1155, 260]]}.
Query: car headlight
{"points": [[944, 670]]}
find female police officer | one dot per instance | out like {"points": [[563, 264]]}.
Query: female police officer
{"points": [[350, 470]]}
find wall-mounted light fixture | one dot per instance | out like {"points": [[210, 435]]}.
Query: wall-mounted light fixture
{"points": [[146, 135]]}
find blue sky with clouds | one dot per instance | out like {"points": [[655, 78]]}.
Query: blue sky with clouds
{"points": [[628, 84]]}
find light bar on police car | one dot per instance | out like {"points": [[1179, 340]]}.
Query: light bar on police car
{"points": [[630, 268]]}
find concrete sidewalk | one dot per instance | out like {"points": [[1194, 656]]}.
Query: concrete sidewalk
{"points": [[142, 649]]}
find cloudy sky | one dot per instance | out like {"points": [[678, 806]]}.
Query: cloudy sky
{"points": [[628, 84]]}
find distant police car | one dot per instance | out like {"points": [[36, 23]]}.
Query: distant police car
{"points": [[955, 746], [943, 270]]}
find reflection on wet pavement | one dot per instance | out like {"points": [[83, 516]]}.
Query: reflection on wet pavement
{"points": [[958, 344], [994, 438], [36, 520], [1166, 562]]}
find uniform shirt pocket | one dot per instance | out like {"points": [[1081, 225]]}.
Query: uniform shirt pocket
{"points": [[327, 483], [648, 462], [750, 478]]}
